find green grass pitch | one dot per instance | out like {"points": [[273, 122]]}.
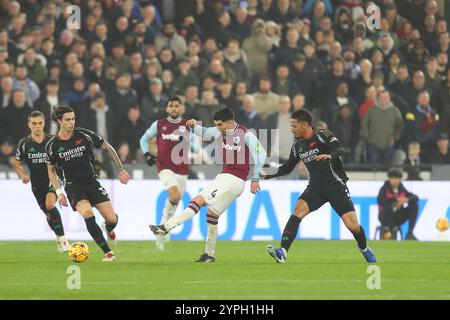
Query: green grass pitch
{"points": [[243, 270]]}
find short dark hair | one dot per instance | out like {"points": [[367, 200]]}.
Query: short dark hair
{"points": [[224, 114], [302, 115], [395, 173], [59, 112], [175, 99], [36, 114]]}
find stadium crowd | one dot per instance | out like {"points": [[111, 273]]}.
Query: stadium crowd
{"points": [[384, 93]]}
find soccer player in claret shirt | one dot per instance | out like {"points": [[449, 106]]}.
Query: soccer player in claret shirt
{"points": [[71, 152], [172, 162], [236, 143], [320, 151], [31, 150]]}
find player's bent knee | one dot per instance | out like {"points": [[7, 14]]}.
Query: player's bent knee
{"points": [[301, 209], [87, 214], [199, 200]]}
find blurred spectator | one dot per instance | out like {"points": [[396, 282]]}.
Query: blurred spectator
{"points": [[396, 206], [100, 118], [241, 90], [77, 92], [313, 64], [169, 88], [122, 96], [239, 25], [413, 161], [369, 102], [282, 84], [422, 121], [185, 77], [14, 118], [381, 128], [266, 101], [35, 65], [286, 53], [123, 151], [249, 117], [153, 105], [47, 102], [236, 60], [131, 130], [346, 129], [441, 153], [225, 96], [206, 109], [6, 86], [7, 152], [190, 100], [341, 97], [23, 82], [279, 127], [258, 46], [305, 79], [169, 37], [118, 57], [402, 86]]}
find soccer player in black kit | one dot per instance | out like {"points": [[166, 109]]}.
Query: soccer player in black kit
{"points": [[320, 150], [71, 152], [31, 150]]}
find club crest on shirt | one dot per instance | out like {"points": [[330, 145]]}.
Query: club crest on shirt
{"points": [[236, 140], [164, 128]]}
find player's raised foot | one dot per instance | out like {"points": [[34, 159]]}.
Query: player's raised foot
{"points": [[279, 254], [159, 243], [369, 255], [158, 230], [62, 244], [205, 258], [112, 237], [109, 257]]}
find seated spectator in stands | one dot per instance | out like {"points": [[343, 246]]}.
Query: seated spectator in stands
{"points": [[122, 97], [442, 60], [418, 85], [35, 65], [136, 68], [153, 70], [258, 46], [119, 58], [298, 102], [101, 118], [169, 88], [240, 90], [206, 109], [371, 98], [352, 70], [413, 161], [441, 153], [77, 92], [170, 38], [331, 109], [402, 86], [240, 26], [47, 102], [236, 60], [266, 101], [167, 59], [433, 80], [313, 64], [381, 128], [14, 118], [286, 53], [218, 72], [332, 79], [394, 65], [345, 128], [23, 82], [422, 122], [6, 91], [249, 117], [185, 76], [396, 206], [96, 70], [153, 105], [190, 100], [305, 79], [225, 96], [7, 152], [83, 107], [282, 84], [131, 130], [279, 127], [123, 151]]}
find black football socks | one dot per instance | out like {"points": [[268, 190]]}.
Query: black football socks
{"points": [[55, 222], [97, 234], [360, 237], [110, 226], [290, 232]]}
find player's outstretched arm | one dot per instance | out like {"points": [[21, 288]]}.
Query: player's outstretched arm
{"points": [[286, 168], [151, 133], [205, 132], [20, 171], [259, 156], [62, 199], [123, 175]]}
